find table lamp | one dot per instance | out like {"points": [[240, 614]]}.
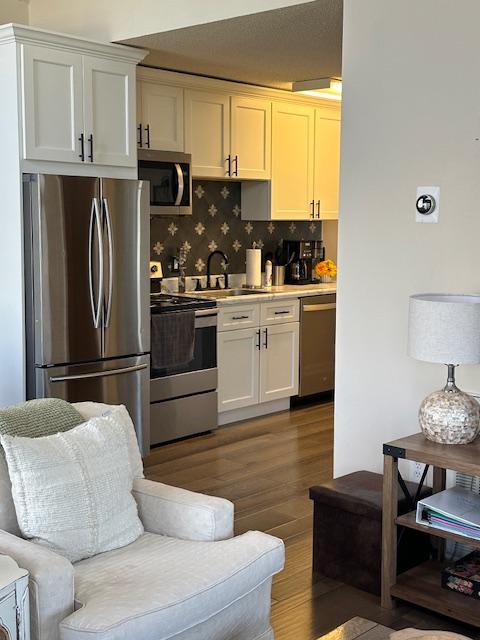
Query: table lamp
{"points": [[446, 329]]}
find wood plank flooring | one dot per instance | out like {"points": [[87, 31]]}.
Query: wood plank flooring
{"points": [[265, 467]]}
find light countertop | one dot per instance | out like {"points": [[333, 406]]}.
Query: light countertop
{"points": [[267, 294]]}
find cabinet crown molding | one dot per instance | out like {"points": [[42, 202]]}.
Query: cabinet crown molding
{"points": [[204, 83], [17, 33]]}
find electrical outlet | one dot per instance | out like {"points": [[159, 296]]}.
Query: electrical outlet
{"points": [[417, 471]]}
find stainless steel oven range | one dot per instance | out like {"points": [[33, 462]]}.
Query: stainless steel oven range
{"points": [[184, 400]]}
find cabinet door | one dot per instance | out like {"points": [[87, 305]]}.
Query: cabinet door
{"points": [[293, 139], [238, 360], [8, 615], [162, 113], [279, 361], [327, 165], [251, 125], [207, 133], [109, 105], [52, 104]]}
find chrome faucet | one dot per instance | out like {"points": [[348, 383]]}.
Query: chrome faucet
{"points": [[209, 260]]}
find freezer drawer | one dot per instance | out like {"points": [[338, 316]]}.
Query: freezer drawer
{"points": [[174, 419], [317, 344], [123, 381]]}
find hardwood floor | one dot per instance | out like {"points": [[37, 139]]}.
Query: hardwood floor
{"points": [[265, 467]]}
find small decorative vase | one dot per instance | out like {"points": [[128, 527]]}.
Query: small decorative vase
{"points": [[325, 279], [450, 416]]}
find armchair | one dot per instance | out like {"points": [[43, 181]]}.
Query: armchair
{"points": [[185, 578]]}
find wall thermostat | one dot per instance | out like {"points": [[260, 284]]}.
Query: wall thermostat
{"points": [[427, 204]]}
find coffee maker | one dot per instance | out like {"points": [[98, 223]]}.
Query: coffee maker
{"points": [[301, 257]]}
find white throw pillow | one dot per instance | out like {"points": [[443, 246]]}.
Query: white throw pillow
{"points": [[120, 414], [72, 490]]}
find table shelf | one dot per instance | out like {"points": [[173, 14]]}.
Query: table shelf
{"points": [[422, 586], [409, 520]]}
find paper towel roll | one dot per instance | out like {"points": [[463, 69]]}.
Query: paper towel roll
{"points": [[254, 268]]}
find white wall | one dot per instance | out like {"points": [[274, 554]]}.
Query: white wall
{"points": [[12, 373], [410, 116], [14, 11], [113, 20]]}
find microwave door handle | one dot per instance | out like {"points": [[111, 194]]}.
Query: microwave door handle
{"points": [[181, 185], [95, 221]]}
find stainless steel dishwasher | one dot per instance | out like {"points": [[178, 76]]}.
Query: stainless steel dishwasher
{"points": [[317, 344]]}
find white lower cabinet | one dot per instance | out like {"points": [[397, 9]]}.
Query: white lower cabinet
{"points": [[238, 367], [279, 361], [259, 364]]}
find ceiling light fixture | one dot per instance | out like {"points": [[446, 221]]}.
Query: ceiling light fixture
{"points": [[330, 88]]}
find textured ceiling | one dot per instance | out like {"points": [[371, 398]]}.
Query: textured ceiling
{"points": [[272, 48]]}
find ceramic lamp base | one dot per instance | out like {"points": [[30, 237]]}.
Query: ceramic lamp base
{"points": [[450, 417]]}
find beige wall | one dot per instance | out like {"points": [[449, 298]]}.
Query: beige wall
{"points": [[112, 20], [330, 239], [14, 11], [410, 116]]}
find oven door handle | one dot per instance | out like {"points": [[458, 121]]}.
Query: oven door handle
{"points": [[181, 184], [201, 313]]}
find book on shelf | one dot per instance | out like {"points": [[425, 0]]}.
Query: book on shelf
{"points": [[456, 510]]}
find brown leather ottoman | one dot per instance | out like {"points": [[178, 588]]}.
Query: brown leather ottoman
{"points": [[347, 530]]}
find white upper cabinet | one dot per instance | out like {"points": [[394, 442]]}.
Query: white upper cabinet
{"points": [[293, 156], [207, 133], [251, 126], [160, 116], [305, 167], [52, 104], [327, 164], [77, 101], [109, 108]]}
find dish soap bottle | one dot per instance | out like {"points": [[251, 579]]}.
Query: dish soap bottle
{"points": [[268, 273]]}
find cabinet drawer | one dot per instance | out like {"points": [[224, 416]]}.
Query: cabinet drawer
{"points": [[279, 312], [239, 317]]}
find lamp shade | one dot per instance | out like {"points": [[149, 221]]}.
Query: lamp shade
{"points": [[444, 328]]}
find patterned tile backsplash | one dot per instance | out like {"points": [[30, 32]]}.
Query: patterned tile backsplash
{"points": [[216, 224]]}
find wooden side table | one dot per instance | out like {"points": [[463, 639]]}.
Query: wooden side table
{"points": [[422, 584], [14, 604]]}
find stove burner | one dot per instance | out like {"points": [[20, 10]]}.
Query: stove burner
{"points": [[162, 302]]}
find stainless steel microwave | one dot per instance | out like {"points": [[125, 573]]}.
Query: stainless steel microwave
{"points": [[170, 177]]}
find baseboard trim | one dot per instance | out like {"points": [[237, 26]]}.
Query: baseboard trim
{"points": [[255, 411]]}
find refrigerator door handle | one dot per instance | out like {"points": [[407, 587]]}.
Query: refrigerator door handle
{"points": [[181, 185], [95, 220], [108, 220], [99, 374]]}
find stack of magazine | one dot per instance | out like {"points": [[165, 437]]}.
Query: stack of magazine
{"points": [[456, 510]]}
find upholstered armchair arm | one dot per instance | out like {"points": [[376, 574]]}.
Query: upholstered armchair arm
{"points": [[50, 581], [182, 514]]}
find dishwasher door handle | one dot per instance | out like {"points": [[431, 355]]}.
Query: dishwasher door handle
{"points": [[319, 307]]}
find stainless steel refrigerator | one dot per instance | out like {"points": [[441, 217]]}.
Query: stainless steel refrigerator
{"points": [[87, 292]]}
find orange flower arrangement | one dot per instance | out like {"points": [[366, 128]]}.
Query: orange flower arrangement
{"points": [[326, 268]]}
